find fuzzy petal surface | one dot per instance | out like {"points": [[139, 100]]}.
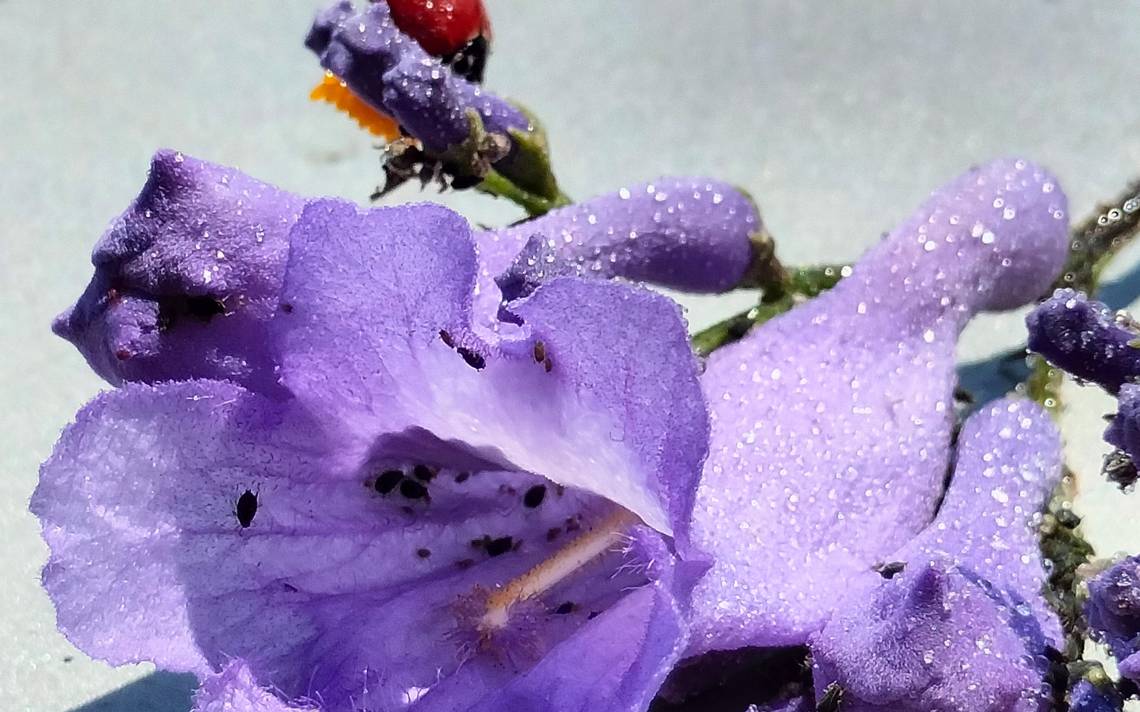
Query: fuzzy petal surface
{"points": [[186, 279], [831, 424], [234, 689], [1113, 612], [599, 391], [330, 589], [1007, 465], [690, 234], [929, 640], [1084, 338]]}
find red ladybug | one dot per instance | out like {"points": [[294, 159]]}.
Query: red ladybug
{"points": [[456, 31]]}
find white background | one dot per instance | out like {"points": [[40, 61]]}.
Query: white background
{"points": [[838, 117]]}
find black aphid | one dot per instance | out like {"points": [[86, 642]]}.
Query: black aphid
{"points": [[413, 490], [474, 360], [423, 473], [565, 608], [423, 553], [534, 496], [246, 508], [388, 480], [497, 547], [889, 569]]}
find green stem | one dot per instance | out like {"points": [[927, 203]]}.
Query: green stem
{"points": [[498, 185], [1097, 239], [798, 283]]}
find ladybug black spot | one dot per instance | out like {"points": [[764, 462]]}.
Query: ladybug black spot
{"points": [[246, 508], [534, 496], [388, 480]]}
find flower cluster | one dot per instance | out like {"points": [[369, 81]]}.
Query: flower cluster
{"points": [[375, 459]]}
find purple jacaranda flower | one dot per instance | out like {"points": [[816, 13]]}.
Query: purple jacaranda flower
{"points": [[1086, 339], [378, 540], [683, 233], [1087, 697], [187, 278], [392, 73], [831, 425], [1113, 612], [959, 624]]}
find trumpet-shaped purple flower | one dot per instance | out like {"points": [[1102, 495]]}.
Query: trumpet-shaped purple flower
{"points": [[188, 278], [831, 425], [960, 624], [377, 540], [1113, 612], [1086, 339]]}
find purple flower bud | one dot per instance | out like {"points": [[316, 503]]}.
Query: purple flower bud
{"points": [[1113, 612], [1087, 697], [187, 278], [1083, 337], [690, 234], [390, 71]]}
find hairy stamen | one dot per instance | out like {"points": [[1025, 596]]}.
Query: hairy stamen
{"points": [[581, 551]]}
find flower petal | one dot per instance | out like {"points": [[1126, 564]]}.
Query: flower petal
{"points": [[929, 639], [1008, 463], [1082, 337], [1087, 697], [195, 522], [234, 689], [831, 424], [186, 278], [690, 234], [598, 392], [1113, 612]]}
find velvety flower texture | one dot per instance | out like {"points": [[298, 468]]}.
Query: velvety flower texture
{"points": [[1113, 612], [375, 540], [390, 71], [831, 439], [189, 276], [1085, 338], [832, 423]]}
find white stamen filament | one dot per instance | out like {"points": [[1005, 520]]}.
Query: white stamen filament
{"points": [[547, 574]]}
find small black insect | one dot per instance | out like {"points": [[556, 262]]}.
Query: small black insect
{"points": [[534, 496], [423, 473], [246, 508], [388, 480], [413, 490], [539, 352], [889, 569], [462, 477], [446, 338], [553, 533], [497, 547], [286, 307], [474, 360], [565, 608], [423, 553]]}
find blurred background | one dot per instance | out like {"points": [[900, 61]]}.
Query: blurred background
{"points": [[838, 118]]}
